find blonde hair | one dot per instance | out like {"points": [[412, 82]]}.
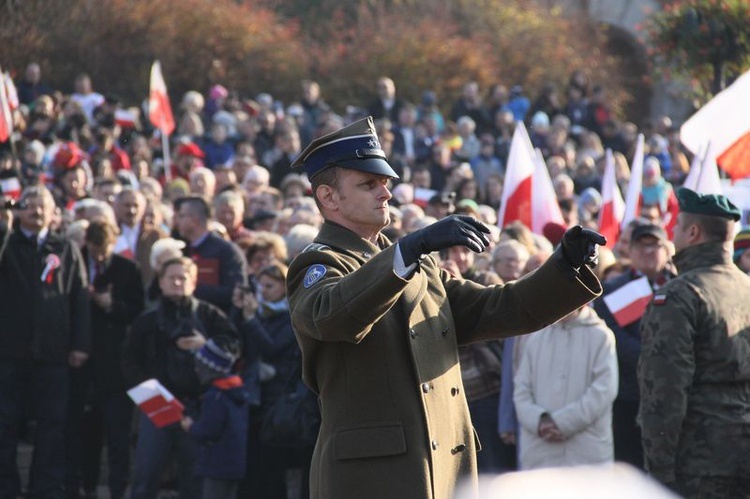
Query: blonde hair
{"points": [[160, 247]]}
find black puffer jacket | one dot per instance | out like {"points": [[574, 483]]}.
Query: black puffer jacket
{"points": [[150, 350]]}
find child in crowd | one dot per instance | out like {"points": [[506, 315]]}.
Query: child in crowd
{"points": [[223, 424]]}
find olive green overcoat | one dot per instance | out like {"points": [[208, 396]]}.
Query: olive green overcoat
{"points": [[381, 353]]}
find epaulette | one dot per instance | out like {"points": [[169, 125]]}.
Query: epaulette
{"points": [[315, 247]]}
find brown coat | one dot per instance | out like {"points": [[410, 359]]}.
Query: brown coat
{"points": [[381, 352]]}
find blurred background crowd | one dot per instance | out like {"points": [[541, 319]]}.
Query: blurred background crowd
{"points": [[227, 181]]}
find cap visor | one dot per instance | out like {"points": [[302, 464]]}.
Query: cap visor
{"points": [[369, 165]]}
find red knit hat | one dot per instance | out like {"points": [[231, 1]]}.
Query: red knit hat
{"points": [[554, 232], [191, 149], [68, 156]]}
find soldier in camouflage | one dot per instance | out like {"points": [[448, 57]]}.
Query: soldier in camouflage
{"points": [[694, 369]]}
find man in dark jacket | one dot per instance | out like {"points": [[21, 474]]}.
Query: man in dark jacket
{"points": [[161, 345], [221, 264], [99, 406], [44, 312]]}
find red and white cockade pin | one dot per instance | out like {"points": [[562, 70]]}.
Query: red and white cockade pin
{"points": [[660, 299], [53, 262]]}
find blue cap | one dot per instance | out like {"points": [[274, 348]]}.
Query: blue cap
{"points": [[354, 146], [215, 358]]}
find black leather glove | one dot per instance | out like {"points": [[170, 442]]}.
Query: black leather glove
{"points": [[454, 230], [580, 246]]}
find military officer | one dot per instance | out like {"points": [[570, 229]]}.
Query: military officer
{"points": [[379, 325], [694, 368]]}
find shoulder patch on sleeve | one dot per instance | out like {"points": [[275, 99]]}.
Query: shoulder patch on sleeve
{"points": [[316, 247], [659, 299], [313, 275]]}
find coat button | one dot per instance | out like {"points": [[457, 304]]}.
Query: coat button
{"points": [[412, 333], [455, 391], [458, 448], [445, 332], [434, 445], [425, 387]]}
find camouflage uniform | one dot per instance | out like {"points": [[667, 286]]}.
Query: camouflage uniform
{"points": [[694, 377]]}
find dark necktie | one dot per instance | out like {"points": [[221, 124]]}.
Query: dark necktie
{"points": [[97, 274]]}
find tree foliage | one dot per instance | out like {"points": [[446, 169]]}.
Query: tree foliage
{"points": [[199, 42], [702, 41], [270, 45]]}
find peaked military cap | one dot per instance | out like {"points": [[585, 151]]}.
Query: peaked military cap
{"points": [[714, 205], [355, 146]]}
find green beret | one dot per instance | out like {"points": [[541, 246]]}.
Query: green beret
{"points": [[714, 205]]}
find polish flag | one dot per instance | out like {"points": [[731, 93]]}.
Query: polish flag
{"points": [[725, 122], [613, 207], [629, 302], [545, 208], [703, 178], [635, 185], [517, 191], [708, 180], [11, 92], [161, 407], [691, 181], [422, 196], [6, 118], [126, 118], [10, 187], [159, 109]]}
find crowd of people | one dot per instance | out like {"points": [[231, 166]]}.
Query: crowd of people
{"points": [[118, 265]]}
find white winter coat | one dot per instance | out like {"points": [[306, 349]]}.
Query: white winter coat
{"points": [[568, 370]]}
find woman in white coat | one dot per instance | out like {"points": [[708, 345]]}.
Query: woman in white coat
{"points": [[563, 391]]}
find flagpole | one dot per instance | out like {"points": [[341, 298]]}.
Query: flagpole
{"points": [[167, 157], [703, 163]]}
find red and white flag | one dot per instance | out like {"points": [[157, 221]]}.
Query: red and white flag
{"points": [[11, 92], [545, 208], [613, 207], [422, 196], [635, 185], [159, 109], [725, 122], [709, 181], [161, 407], [10, 187], [629, 302], [515, 203], [691, 181], [126, 118], [6, 117]]}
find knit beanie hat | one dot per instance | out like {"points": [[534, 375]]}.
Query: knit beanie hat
{"points": [[741, 243], [216, 358]]}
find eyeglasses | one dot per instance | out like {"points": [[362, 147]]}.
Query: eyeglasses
{"points": [[654, 245], [505, 260]]}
